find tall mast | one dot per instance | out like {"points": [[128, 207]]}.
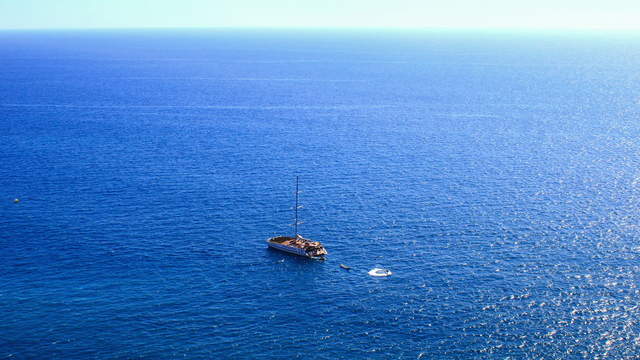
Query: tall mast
{"points": [[296, 208]]}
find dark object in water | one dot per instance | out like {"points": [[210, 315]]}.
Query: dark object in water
{"points": [[16, 200], [345, 267]]}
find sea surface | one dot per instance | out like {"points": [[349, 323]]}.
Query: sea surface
{"points": [[496, 174]]}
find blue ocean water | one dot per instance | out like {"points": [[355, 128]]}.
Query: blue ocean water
{"points": [[496, 174]]}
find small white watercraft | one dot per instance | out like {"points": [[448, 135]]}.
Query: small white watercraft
{"points": [[378, 272]]}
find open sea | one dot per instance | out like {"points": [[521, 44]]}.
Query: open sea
{"points": [[496, 174]]}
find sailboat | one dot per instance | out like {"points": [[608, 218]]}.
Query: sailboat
{"points": [[296, 244]]}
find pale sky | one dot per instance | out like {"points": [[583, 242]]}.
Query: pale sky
{"points": [[522, 14]]}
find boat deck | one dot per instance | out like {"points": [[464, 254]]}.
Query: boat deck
{"points": [[311, 248]]}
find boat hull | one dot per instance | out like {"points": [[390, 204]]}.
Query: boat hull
{"points": [[289, 249], [298, 246]]}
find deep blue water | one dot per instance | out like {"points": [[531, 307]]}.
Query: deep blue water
{"points": [[496, 174]]}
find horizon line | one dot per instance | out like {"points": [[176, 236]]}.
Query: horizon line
{"points": [[377, 28]]}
